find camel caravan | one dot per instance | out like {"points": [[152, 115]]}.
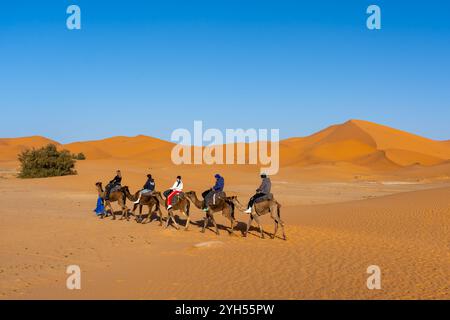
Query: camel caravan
{"points": [[214, 200]]}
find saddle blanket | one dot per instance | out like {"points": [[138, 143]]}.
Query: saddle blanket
{"points": [[264, 198]]}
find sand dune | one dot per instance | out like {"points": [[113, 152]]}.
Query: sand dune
{"points": [[360, 143], [123, 148], [365, 143], [11, 147]]}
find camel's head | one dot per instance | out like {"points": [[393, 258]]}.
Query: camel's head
{"points": [[190, 193], [98, 184], [234, 198], [125, 188]]}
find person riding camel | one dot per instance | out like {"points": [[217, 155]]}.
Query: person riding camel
{"points": [[177, 188], [113, 183], [209, 194], [148, 187], [263, 190]]}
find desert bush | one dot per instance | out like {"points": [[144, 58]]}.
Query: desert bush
{"points": [[79, 156], [46, 162]]}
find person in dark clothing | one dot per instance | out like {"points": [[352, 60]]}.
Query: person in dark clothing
{"points": [[218, 187], [113, 183], [263, 190], [149, 187]]}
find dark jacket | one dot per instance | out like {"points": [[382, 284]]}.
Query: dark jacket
{"points": [[116, 181], [265, 186], [150, 184], [220, 184]]}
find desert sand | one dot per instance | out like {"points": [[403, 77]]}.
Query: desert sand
{"points": [[352, 195]]}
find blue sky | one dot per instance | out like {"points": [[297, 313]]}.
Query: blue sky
{"points": [[149, 67]]}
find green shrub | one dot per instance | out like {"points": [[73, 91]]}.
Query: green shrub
{"points": [[46, 162], [79, 156]]}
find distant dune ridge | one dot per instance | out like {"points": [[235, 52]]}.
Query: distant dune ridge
{"points": [[11, 147], [355, 142]]}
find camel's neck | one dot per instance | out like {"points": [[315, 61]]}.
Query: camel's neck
{"points": [[238, 205], [130, 196], [195, 200], [159, 197]]}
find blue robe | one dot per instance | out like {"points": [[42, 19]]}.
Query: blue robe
{"points": [[100, 209]]}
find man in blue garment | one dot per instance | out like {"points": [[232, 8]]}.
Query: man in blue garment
{"points": [[209, 194]]}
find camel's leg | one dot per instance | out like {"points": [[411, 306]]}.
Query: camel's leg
{"points": [[126, 213], [140, 219], [175, 222], [259, 225], [248, 225], [123, 213], [160, 216], [134, 210], [186, 213], [112, 211], [214, 223], [171, 217], [167, 220], [276, 216], [188, 221], [276, 230], [150, 214], [282, 229], [232, 221], [205, 223]]}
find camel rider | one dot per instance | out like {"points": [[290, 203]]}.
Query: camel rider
{"points": [[113, 183], [263, 190], [208, 194], [149, 186], [176, 189]]}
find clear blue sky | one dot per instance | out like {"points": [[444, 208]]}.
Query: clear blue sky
{"points": [[148, 67]]}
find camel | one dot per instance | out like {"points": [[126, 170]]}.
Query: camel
{"points": [[260, 209], [149, 201], [182, 204], [225, 206], [117, 195]]}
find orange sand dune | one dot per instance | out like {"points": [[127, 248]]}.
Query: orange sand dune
{"points": [[11, 147], [364, 143], [360, 144], [122, 147]]}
